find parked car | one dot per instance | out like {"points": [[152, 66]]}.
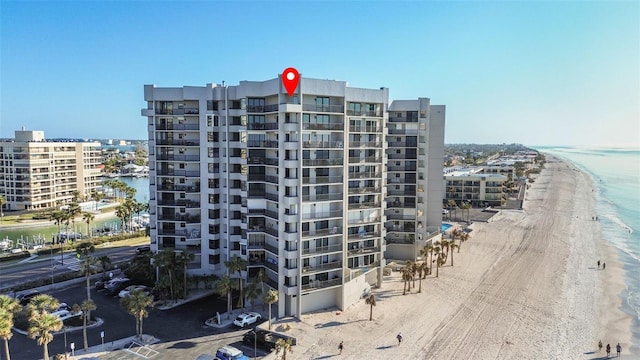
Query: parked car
{"points": [[127, 291], [64, 306], [114, 287], [230, 353], [206, 357], [66, 314], [143, 250], [25, 298], [245, 319]]}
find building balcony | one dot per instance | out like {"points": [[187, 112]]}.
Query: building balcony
{"points": [[180, 218], [323, 215], [369, 220], [177, 127], [179, 158], [180, 188], [323, 108], [365, 175], [317, 284], [322, 250], [373, 113], [183, 111], [323, 180], [180, 203], [322, 197], [323, 144], [323, 162], [322, 267], [368, 159], [363, 250], [270, 144], [330, 126], [171, 142], [185, 173], [365, 129], [262, 108], [363, 144], [364, 235]]}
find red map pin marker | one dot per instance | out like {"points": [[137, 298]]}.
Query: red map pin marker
{"points": [[290, 80]]}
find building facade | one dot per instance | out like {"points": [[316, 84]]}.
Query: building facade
{"points": [[475, 187], [296, 185], [414, 185], [39, 174]]}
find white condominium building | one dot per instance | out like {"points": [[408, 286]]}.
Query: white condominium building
{"points": [[38, 174], [414, 178], [296, 185]]}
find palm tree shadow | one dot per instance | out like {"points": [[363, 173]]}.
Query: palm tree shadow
{"points": [[337, 323], [384, 347], [324, 357]]}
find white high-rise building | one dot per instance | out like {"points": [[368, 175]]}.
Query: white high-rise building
{"points": [[296, 185], [39, 174]]}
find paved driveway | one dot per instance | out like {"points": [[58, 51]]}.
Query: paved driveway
{"points": [[181, 330]]}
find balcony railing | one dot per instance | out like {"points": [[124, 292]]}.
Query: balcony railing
{"points": [[314, 285], [364, 175], [372, 144], [178, 157], [360, 251], [374, 113], [364, 235], [184, 111], [263, 143], [322, 267], [185, 188], [322, 179], [330, 126], [323, 108], [323, 162], [178, 127], [194, 142], [262, 108], [322, 249], [368, 159], [336, 230], [322, 197], [365, 205], [323, 144], [364, 190], [183, 218], [365, 129], [322, 215], [180, 202]]}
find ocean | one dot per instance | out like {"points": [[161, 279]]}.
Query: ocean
{"points": [[616, 176]]}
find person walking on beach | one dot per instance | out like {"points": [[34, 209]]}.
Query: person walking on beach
{"points": [[598, 264], [340, 347], [604, 265], [599, 345], [618, 349], [608, 350], [399, 337]]}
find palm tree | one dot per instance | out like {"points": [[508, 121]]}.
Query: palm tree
{"points": [[88, 218], [123, 213], [88, 267], [105, 263], [437, 249], [421, 269], [371, 301], [182, 259], [253, 292], [463, 237], [466, 206], [41, 327], [58, 217], [452, 246], [87, 307], [165, 260], [3, 201], [271, 297], [445, 249], [42, 304], [8, 307], [406, 277], [237, 264], [223, 288], [283, 346], [452, 205], [428, 249], [73, 211], [137, 304], [130, 204]]}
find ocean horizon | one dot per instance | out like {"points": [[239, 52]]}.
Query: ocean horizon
{"points": [[616, 177]]}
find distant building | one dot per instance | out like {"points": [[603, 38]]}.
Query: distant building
{"points": [[472, 185], [38, 174]]}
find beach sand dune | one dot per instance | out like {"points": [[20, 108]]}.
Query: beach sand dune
{"points": [[525, 286]]}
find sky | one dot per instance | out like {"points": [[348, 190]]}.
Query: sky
{"points": [[535, 73]]}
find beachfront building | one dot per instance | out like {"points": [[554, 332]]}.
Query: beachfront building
{"points": [[295, 185], [415, 150], [36, 173], [473, 186]]}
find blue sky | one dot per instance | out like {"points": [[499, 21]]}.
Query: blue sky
{"points": [[537, 73]]}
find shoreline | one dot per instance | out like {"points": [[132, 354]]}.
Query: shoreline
{"points": [[525, 286]]}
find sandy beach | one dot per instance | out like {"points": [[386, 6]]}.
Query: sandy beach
{"points": [[525, 286]]}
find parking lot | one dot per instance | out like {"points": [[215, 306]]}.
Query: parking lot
{"points": [[181, 330]]}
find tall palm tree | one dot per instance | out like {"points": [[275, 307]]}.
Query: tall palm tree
{"points": [[271, 297], [452, 246], [436, 250], [164, 261], [406, 278], [86, 308], [123, 213], [105, 263], [427, 250], [223, 287], [237, 264], [41, 327], [421, 269], [58, 217], [137, 304], [371, 301], [444, 244], [8, 307], [88, 218], [130, 204], [253, 292], [182, 259], [452, 205], [73, 211], [88, 267], [284, 346]]}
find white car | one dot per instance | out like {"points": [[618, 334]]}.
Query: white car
{"points": [[127, 291], [65, 314], [245, 319]]}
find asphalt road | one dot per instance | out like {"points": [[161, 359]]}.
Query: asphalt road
{"points": [[181, 330]]}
